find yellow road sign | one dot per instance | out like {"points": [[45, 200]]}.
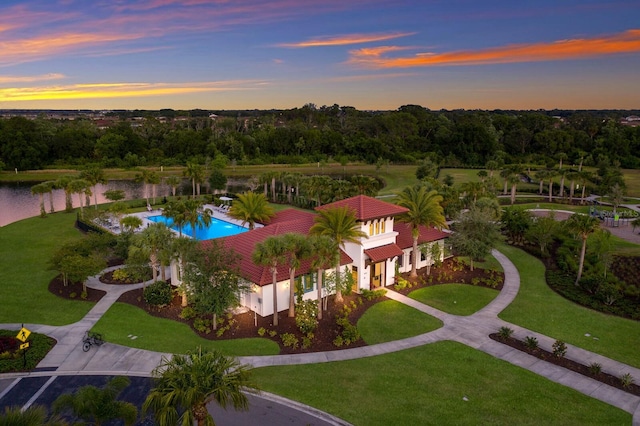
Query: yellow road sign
{"points": [[24, 345], [23, 334]]}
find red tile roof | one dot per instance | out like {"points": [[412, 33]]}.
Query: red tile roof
{"points": [[244, 245], [367, 208], [405, 239], [291, 214], [377, 254]]}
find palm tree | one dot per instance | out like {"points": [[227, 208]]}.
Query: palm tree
{"points": [[181, 249], [99, 405], [196, 217], [63, 183], [153, 179], [473, 190], [551, 174], [196, 173], [424, 210], [582, 226], [39, 190], [176, 211], [35, 415], [152, 240], [251, 207], [50, 185], [130, 223], [616, 193], [298, 249], [185, 384], [173, 181], [80, 187], [541, 176], [339, 223], [271, 252], [94, 175], [325, 251], [583, 178]]}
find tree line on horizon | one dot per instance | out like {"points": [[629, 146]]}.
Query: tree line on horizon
{"points": [[408, 135]]}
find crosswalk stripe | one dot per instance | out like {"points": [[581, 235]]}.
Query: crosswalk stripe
{"points": [[38, 393]]}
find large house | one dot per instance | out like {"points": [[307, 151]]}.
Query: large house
{"points": [[373, 263]]}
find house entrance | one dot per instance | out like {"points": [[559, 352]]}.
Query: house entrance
{"points": [[376, 274]]}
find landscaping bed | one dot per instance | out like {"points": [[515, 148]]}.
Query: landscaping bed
{"points": [[73, 290], [562, 361], [451, 271], [328, 335], [248, 325]]}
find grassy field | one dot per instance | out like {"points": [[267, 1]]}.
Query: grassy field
{"points": [[539, 308], [390, 320], [456, 299], [162, 335], [426, 386], [25, 250]]}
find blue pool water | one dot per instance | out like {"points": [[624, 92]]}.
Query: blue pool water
{"points": [[217, 229]]}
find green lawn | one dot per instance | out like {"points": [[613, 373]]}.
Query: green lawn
{"points": [[426, 386], [391, 320], [162, 335], [456, 299], [539, 308], [25, 250]]}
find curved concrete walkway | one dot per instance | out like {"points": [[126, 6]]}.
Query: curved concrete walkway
{"points": [[68, 358]]}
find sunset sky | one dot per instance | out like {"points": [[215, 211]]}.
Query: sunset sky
{"points": [[369, 54]]}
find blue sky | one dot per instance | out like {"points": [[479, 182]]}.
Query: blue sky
{"points": [[369, 54]]}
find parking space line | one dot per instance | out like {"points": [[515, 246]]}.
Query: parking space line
{"points": [[38, 393]]}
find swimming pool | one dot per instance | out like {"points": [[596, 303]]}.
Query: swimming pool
{"points": [[218, 228]]}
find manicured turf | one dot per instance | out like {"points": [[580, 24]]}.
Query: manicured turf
{"points": [[391, 320], [162, 335], [26, 248], [426, 386], [456, 299], [539, 308]]}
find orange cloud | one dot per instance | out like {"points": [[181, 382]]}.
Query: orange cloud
{"points": [[121, 90], [42, 46], [626, 42], [346, 39]]}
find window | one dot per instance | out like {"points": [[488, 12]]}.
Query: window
{"points": [[306, 283], [376, 227]]}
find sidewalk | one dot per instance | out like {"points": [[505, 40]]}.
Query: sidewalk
{"points": [[67, 357]]}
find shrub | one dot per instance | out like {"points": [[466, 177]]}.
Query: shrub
{"points": [[122, 275], [595, 368], [307, 316], [158, 293], [188, 313], [261, 331], [505, 332], [289, 340], [306, 342], [531, 342], [202, 325], [626, 380], [402, 284], [338, 341], [373, 294], [559, 348], [273, 333]]}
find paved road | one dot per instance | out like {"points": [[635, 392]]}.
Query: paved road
{"points": [[266, 409]]}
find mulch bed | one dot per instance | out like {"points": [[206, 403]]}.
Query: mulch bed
{"points": [[246, 325], [73, 290], [566, 363], [107, 278]]}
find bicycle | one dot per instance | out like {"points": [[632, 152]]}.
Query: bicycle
{"points": [[90, 339]]}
